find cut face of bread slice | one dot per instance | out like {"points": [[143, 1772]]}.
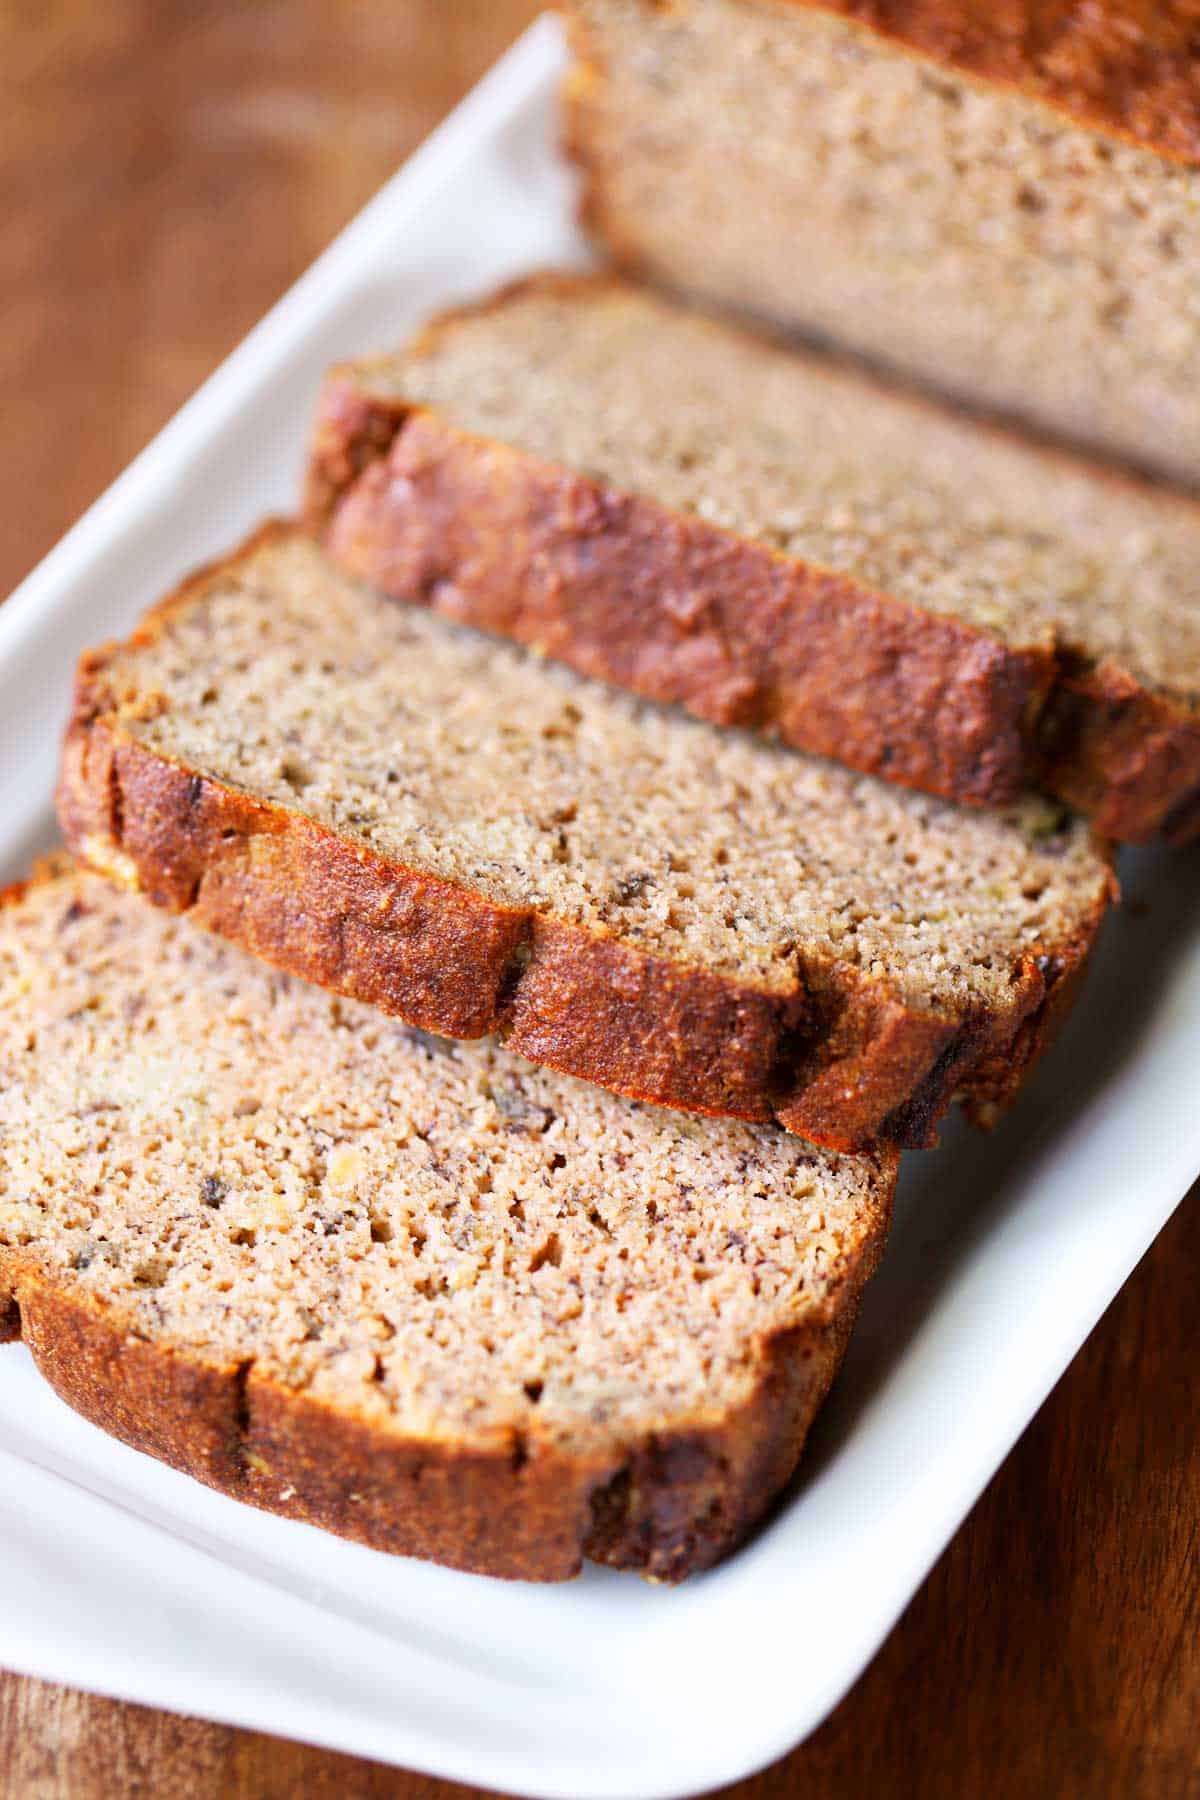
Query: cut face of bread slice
{"points": [[416, 815], [419, 1293], [771, 539], [1003, 200]]}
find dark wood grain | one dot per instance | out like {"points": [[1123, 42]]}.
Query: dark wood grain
{"points": [[165, 171]]}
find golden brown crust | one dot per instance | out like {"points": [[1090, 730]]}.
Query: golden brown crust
{"points": [[668, 1504], [841, 1059], [679, 1503], [685, 612], [1126, 68], [1127, 757], [182, 1410], [674, 608]]}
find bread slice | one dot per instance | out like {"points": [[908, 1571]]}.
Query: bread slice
{"points": [[419, 1293], [1003, 201], [773, 540], [415, 815]]}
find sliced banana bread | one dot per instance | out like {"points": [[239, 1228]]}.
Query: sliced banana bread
{"points": [[773, 540], [1002, 199], [416, 815], [419, 1293]]}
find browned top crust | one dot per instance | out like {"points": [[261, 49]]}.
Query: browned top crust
{"points": [[631, 590], [672, 1506], [1131, 67], [838, 1055]]}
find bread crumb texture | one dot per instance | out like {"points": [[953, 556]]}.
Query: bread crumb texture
{"points": [[1007, 204], [815, 462], [473, 761], [435, 1238]]}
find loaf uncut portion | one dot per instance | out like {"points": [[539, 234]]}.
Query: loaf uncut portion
{"points": [[415, 814], [776, 540], [1002, 201], [420, 1293]]}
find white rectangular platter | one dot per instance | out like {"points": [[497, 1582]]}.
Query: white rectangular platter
{"points": [[119, 1576]]}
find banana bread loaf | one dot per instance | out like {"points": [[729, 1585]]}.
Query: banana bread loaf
{"points": [[1002, 199], [416, 1292], [773, 540], [410, 813]]}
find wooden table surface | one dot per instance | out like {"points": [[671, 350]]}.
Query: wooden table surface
{"points": [[165, 171]]}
